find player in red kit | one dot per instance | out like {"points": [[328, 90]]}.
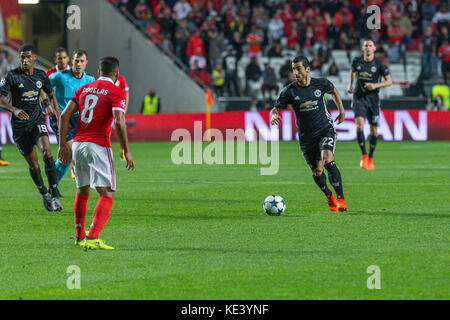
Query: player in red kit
{"points": [[122, 84], [97, 104], [61, 60]]}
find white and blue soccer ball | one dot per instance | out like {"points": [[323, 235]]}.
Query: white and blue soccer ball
{"points": [[274, 205]]}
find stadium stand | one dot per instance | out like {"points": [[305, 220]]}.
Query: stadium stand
{"points": [[329, 30]]}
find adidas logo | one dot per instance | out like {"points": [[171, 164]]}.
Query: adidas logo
{"points": [[297, 98], [21, 85]]}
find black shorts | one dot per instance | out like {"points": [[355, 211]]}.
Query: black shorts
{"points": [[312, 148], [70, 131], [367, 107], [26, 139]]}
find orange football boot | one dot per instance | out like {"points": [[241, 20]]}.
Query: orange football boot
{"points": [[341, 205], [370, 165], [364, 159], [332, 204]]}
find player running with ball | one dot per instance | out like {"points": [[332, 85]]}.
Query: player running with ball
{"points": [[316, 131], [98, 103]]}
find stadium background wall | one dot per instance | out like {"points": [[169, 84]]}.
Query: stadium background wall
{"points": [[394, 125]]}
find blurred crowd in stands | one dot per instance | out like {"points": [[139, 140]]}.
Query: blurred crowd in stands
{"points": [[6, 61], [211, 36]]}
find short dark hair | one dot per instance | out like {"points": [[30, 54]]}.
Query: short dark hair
{"points": [[61, 49], [79, 52], [304, 60], [109, 65], [27, 47], [369, 39]]}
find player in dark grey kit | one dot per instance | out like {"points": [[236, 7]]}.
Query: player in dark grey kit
{"points": [[28, 121], [316, 131], [366, 104]]}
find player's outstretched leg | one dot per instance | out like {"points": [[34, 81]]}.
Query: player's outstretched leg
{"points": [[52, 177], [336, 181], [50, 171], [35, 173], [321, 180], [101, 215]]}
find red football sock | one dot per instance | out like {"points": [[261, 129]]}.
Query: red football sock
{"points": [[79, 208], [101, 215]]}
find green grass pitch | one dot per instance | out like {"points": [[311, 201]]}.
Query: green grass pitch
{"points": [[199, 231]]}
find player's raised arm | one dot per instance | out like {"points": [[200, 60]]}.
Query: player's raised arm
{"points": [[64, 153], [121, 129]]}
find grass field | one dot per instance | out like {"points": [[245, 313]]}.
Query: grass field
{"points": [[199, 231]]}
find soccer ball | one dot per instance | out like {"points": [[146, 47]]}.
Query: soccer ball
{"points": [[274, 205]]}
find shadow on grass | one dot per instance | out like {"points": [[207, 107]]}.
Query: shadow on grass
{"points": [[225, 251], [210, 216], [400, 214]]}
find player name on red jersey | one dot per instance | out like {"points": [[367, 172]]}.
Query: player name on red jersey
{"points": [[95, 91]]}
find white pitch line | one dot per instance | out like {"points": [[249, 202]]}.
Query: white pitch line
{"points": [[254, 182], [274, 182]]}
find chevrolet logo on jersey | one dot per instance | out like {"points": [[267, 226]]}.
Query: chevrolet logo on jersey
{"points": [[365, 76], [30, 94], [308, 104]]}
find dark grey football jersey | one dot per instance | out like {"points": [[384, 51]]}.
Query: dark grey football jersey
{"points": [[25, 91], [368, 72], [309, 105]]}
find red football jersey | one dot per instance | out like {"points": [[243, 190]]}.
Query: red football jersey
{"points": [[122, 83], [51, 70], [54, 69], [96, 102]]}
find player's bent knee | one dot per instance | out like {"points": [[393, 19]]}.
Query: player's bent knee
{"points": [[327, 156], [317, 171], [34, 166], [373, 131], [47, 154], [84, 190], [105, 191]]}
